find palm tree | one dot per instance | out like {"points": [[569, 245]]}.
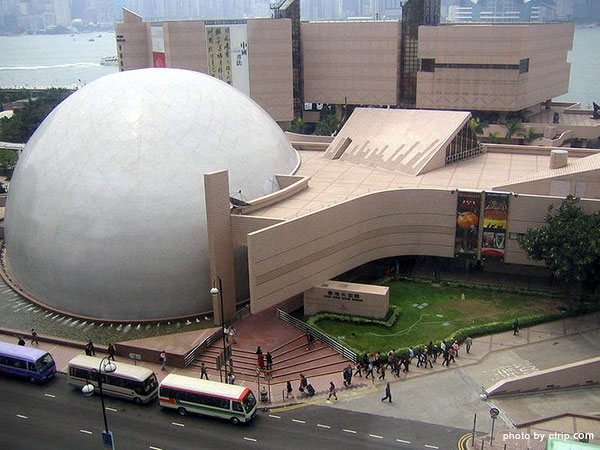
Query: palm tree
{"points": [[530, 134], [477, 126], [513, 127], [494, 137]]}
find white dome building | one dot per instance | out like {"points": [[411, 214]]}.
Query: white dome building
{"points": [[106, 214]]}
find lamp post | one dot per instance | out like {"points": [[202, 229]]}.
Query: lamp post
{"points": [[89, 389], [215, 291]]}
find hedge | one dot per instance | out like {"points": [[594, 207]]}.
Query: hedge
{"points": [[388, 321]]}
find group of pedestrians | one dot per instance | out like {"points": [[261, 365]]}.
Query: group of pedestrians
{"points": [[264, 362]]}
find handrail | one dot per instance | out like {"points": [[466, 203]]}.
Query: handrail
{"points": [[332, 343], [191, 356]]}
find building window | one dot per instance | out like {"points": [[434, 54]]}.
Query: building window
{"points": [[428, 65], [524, 65]]}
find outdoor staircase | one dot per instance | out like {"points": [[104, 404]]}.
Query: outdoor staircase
{"points": [[290, 359]]}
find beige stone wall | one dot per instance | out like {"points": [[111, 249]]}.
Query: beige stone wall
{"points": [[133, 42], [586, 184], [348, 298], [355, 62], [287, 259], [290, 258], [270, 59], [546, 46], [185, 45]]}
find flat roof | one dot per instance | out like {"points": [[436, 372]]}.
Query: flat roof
{"points": [[230, 391], [21, 351], [355, 287], [334, 181], [126, 370]]}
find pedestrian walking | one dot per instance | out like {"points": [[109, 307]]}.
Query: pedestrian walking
{"points": [[388, 393], [233, 334], [455, 347], [90, 350], [34, 337], [111, 351], [288, 390], [21, 341], [258, 350], [370, 371], [261, 361], [310, 341], [203, 372], [226, 334], [303, 383], [451, 354], [382, 376], [269, 361], [468, 343], [162, 359], [516, 327], [358, 370], [332, 390]]}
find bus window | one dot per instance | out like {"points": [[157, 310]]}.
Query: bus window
{"points": [[237, 406], [44, 362], [31, 367], [249, 401]]}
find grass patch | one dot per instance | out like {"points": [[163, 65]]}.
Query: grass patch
{"points": [[432, 312]]}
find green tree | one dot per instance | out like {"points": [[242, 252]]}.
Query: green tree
{"points": [[513, 127], [328, 125], [531, 134], [494, 137], [569, 244], [296, 126], [477, 125]]}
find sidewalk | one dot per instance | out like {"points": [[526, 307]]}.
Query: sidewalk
{"points": [[64, 350]]}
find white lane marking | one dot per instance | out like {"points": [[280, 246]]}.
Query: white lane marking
{"points": [[320, 425], [403, 441], [154, 448], [298, 421], [376, 436], [86, 431], [50, 395], [274, 416], [20, 416], [249, 439], [108, 408], [349, 431], [430, 446], [178, 424]]}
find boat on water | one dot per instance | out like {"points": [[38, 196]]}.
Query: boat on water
{"points": [[109, 61]]}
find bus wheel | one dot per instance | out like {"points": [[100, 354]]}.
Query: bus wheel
{"points": [[235, 420], [137, 401], [182, 411]]}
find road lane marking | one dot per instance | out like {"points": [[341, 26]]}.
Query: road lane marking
{"points": [[403, 441], [50, 395], [298, 421], [274, 416], [376, 436], [108, 408], [349, 431], [177, 424], [20, 416], [86, 431], [320, 425], [249, 439], [430, 446], [154, 448]]}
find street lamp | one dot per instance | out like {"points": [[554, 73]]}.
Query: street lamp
{"points": [[214, 291], [88, 390]]}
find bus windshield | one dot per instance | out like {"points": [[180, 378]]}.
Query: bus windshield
{"points": [[44, 363], [150, 384], [249, 401]]}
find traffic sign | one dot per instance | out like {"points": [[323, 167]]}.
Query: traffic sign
{"points": [[268, 377], [494, 412]]}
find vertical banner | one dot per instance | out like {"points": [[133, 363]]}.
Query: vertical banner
{"points": [[227, 49], [158, 45], [467, 223], [495, 221]]}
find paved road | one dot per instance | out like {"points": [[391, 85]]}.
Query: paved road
{"points": [[56, 416]]}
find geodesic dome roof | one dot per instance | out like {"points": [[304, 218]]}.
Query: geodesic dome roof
{"points": [[106, 214]]}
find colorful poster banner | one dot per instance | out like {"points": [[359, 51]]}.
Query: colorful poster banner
{"points": [[467, 223], [495, 221], [227, 48], [158, 45]]}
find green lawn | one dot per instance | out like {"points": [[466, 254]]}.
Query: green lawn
{"points": [[444, 313]]}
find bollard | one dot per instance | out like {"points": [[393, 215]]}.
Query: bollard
{"points": [[283, 395], [482, 442], [504, 446]]}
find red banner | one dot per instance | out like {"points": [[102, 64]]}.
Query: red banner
{"points": [[159, 59]]}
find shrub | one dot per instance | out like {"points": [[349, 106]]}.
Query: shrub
{"points": [[388, 321]]}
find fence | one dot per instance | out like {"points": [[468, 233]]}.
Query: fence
{"points": [[191, 356], [333, 344]]}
